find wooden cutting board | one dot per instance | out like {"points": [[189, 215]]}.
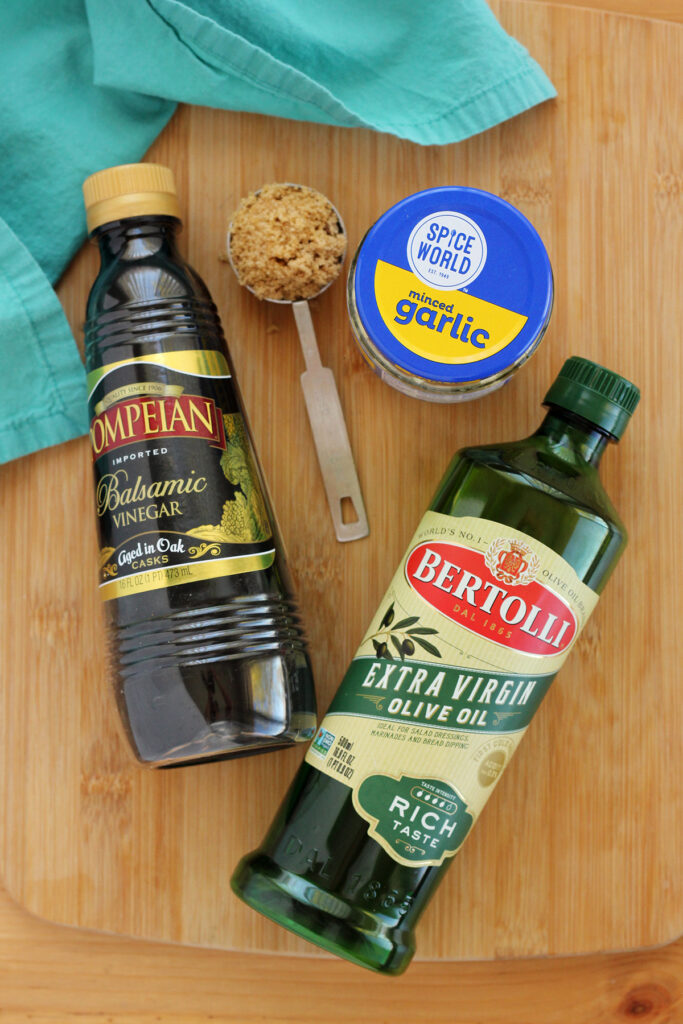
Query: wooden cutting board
{"points": [[579, 848]]}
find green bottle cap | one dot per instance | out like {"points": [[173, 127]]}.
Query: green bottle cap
{"points": [[595, 393]]}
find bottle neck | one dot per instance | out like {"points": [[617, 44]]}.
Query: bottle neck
{"points": [[137, 238], [570, 433]]}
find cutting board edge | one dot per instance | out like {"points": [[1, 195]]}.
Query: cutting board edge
{"points": [[322, 954]]}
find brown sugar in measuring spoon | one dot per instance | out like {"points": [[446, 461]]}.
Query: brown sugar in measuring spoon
{"points": [[286, 244]]}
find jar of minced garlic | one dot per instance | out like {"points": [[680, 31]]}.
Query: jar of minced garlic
{"points": [[449, 293]]}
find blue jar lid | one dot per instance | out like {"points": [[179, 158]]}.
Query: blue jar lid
{"points": [[453, 285]]}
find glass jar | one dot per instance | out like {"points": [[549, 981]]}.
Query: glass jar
{"points": [[449, 293]]}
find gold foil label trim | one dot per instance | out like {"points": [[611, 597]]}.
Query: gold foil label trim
{"points": [[196, 362], [174, 575], [149, 387]]}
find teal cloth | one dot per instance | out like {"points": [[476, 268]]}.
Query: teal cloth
{"points": [[42, 390], [90, 83], [56, 127], [432, 72]]}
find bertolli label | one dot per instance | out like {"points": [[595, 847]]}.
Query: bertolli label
{"points": [[477, 621], [515, 609]]}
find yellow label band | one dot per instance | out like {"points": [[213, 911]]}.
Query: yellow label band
{"points": [[171, 576], [156, 388], [198, 362], [442, 326]]}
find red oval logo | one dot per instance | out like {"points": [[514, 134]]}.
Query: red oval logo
{"points": [[494, 594]]}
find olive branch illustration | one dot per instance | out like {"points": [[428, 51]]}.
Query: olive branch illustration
{"points": [[403, 636]]}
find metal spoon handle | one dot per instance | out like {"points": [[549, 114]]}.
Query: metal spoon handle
{"points": [[329, 433]]}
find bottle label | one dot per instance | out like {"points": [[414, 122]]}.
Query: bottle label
{"points": [[177, 487], [476, 623]]}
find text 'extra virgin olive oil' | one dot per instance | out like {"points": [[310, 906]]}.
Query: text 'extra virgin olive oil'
{"points": [[495, 587], [206, 645]]}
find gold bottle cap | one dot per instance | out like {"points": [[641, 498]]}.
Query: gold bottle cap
{"points": [[130, 190]]}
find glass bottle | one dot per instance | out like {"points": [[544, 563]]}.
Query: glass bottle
{"points": [[206, 644], [493, 591]]}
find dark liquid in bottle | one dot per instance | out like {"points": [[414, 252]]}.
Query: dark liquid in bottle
{"points": [[206, 643]]}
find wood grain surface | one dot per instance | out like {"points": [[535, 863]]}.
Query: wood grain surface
{"points": [[558, 863], [51, 975], [665, 10], [89, 838]]}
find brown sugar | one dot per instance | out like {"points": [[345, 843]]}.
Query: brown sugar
{"points": [[286, 242]]}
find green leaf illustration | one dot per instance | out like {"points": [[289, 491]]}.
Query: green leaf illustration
{"points": [[388, 617], [423, 631], [407, 622], [430, 648], [397, 644]]}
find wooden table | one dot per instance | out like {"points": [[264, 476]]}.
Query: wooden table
{"points": [[53, 974]]}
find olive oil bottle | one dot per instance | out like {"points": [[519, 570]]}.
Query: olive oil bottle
{"points": [[495, 587], [206, 644]]}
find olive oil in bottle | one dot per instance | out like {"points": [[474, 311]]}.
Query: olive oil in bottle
{"points": [[206, 644], [495, 587]]}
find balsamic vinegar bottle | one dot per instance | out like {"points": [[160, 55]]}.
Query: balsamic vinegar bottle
{"points": [[206, 644], [494, 589]]}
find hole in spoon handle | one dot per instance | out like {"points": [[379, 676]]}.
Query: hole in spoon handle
{"points": [[334, 454], [329, 434]]}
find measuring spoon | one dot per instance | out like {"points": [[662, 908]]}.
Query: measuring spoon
{"points": [[325, 415]]}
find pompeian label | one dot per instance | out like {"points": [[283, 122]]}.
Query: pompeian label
{"points": [[144, 418], [177, 489], [476, 623]]}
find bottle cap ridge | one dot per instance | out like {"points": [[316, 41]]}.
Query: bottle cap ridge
{"points": [[595, 393], [129, 190]]}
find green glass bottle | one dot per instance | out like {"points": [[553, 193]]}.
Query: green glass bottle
{"points": [[492, 593]]}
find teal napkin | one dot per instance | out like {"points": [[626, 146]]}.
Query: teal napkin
{"points": [[432, 72], [89, 83], [56, 127], [42, 389]]}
